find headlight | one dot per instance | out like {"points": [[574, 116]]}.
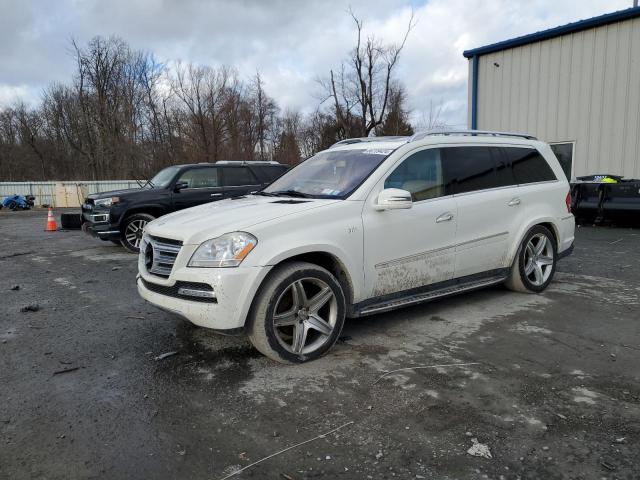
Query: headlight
{"points": [[227, 250], [106, 202]]}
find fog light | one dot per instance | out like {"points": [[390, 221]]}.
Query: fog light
{"points": [[193, 292]]}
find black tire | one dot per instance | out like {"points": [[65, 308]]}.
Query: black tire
{"points": [[136, 221], [321, 326], [71, 221], [525, 276]]}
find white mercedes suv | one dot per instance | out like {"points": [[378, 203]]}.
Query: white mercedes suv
{"points": [[367, 226]]}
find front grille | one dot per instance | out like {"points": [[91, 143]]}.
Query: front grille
{"points": [[172, 291], [160, 254]]}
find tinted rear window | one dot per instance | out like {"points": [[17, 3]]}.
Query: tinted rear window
{"points": [[269, 173], [238, 176], [469, 169], [528, 165]]}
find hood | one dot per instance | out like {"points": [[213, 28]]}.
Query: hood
{"points": [[197, 224], [117, 193]]}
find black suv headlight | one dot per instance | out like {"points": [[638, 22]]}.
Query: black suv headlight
{"points": [[106, 202]]}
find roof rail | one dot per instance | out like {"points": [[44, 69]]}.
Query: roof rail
{"points": [[472, 133], [247, 162], [349, 141]]}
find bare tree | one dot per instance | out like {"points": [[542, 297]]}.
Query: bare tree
{"points": [[29, 125], [396, 121], [359, 91], [432, 120], [265, 109], [125, 115]]}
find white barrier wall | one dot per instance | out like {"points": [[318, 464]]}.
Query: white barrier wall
{"points": [[62, 194]]}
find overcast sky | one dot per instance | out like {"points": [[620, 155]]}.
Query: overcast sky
{"points": [[290, 42]]}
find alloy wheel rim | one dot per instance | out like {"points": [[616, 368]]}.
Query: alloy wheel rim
{"points": [[305, 316], [133, 232], [538, 259]]}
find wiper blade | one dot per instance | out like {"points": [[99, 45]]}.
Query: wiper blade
{"points": [[292, 193], [264, 194]]}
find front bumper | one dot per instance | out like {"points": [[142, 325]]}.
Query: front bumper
{"points": [[98, 224], [234, 289]]}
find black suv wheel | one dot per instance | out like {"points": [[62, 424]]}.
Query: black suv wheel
{"points": [[132, 230]]}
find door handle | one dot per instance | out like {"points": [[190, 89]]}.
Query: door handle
{"points": [[514, 202], [216, 194], [445, 217]]}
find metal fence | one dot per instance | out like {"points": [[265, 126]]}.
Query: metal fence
{"points": [[62, 194]]}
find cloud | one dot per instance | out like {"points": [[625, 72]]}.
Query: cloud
{"points": [[292, 43], [11, 94]]}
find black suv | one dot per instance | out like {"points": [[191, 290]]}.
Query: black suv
{"points": [[120, 216]]}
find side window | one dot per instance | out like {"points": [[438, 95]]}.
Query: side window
{"points": [[528, 165], [200, 177], [238, 176], [420, 174], [469, 169], [504, 171], [564, 154]]}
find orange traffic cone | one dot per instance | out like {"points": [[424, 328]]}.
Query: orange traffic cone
{"points": [[51, 222]]}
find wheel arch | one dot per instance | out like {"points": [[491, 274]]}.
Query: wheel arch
{"points": [[152, 210], [334, 265], [318, 256], [548, 222]]}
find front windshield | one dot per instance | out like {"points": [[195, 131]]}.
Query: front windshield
{"points": [[329, 174], [163, 177]]}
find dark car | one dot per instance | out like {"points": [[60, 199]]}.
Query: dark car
{"points": [[120, 216]]}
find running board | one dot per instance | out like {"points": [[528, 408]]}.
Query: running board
{"points": [[430, 295]]}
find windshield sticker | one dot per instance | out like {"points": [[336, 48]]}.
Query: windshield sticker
{"points": [[377, 151], [329, 191]]}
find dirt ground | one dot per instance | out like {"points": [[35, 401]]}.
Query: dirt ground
{"points": [[550, 383]]}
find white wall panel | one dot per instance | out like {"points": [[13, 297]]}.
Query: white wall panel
{"points": [[582, 87]]}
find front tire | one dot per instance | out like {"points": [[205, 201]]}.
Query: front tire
{"points": [[535, 262], [132, 230], [298, 313]]}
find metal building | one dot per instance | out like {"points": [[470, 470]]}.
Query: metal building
{"points": [[576, 86]]}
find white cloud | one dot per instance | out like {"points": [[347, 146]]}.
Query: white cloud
{"points": [[10, 94], [290, 42]]}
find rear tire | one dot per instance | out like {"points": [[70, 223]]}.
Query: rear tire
{"points": [[298, 313], [132, 229], [535, 262]]}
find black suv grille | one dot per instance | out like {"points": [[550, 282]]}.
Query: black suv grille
{"points": [[172, 291]]}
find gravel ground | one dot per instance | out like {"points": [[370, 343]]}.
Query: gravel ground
{"points": [[550, 383]]}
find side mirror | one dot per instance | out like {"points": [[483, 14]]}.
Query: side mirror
{"points": [[393, 199], [179, 186]]}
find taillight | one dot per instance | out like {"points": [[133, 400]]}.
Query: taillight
{"points": [[568, 201]]}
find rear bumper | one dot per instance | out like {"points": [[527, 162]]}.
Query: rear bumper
{"points": [[566, 252], [566, 234]]}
